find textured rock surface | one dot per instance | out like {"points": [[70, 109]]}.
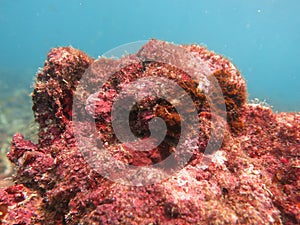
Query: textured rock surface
{"points": [[254, 178]]}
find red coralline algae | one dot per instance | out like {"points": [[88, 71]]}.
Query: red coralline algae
{"points": [[253, 178], [52, 95]]}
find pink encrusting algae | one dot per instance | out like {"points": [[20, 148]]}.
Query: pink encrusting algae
{"points": [[254, 178]]}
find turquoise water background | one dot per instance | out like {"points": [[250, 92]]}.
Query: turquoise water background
{"points": [[261, 37]]}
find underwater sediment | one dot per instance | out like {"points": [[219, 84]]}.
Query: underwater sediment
{"points": [[253, 176]]}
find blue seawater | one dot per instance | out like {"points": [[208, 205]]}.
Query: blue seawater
{"points": [[261, 37]]}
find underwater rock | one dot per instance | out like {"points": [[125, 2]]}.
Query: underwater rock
{"points": [[252, 178]]}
